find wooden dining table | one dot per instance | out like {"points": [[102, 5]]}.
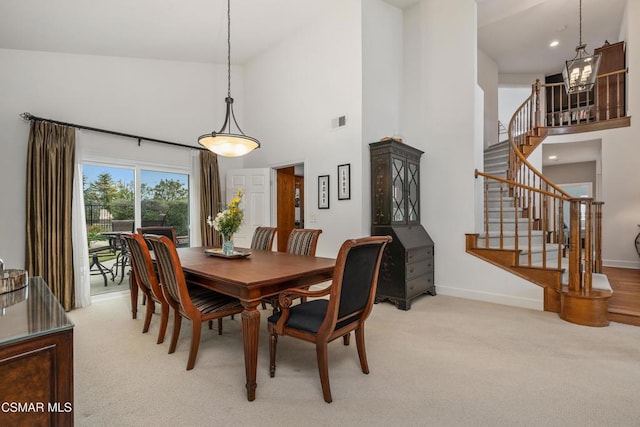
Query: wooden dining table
{"points": [[261, 274]]}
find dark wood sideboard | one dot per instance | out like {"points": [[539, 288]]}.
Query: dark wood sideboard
{"points": [[407, 269], [36, 358]]}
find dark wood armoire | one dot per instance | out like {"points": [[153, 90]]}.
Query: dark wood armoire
{"points": [[407, 269], [610, 88]]}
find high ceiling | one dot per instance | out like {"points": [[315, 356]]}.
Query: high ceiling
{"points": [[516, 33]]}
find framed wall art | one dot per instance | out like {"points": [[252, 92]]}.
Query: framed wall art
{"points": [[323, 192], [344, 182]]}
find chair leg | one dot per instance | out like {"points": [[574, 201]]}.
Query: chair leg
{"points": [[196, 327], [147, 317], [273, 344], [323, 369], [177, 322], [362, 352], [164, 319], [210, 324], [219, 325], [346, 338]]}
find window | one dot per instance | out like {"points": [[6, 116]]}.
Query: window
{"points": [[164, 200], [110, 195]]}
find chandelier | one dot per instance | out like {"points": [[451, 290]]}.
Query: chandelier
{"points": [[225, 142], [580, 73]]}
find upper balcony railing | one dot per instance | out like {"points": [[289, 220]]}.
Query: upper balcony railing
{"points": [[604, 102]]}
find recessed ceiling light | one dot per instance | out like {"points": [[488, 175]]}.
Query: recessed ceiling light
{"points": [[554, 157], [554, 43]]}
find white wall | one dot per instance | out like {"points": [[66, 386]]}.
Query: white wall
{"points": [[488, 81], [509, 99], [381, 83], [292, 94], [161, 99], [443, 120]]}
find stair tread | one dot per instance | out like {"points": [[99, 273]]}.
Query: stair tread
{"points": [[524, 249]]}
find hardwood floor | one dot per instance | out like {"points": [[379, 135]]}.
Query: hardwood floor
{"points": [[624, 305]]}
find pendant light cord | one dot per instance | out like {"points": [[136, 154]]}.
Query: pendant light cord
{"points": [[229, 47], [580, 22]]}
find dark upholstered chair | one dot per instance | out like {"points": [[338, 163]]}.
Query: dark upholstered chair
{"points": [[303, 241], [194, 303], [144, 274], [263, 238], [321, 321]]}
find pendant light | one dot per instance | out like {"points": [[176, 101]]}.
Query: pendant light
{"points": [[580, 73], [225, 142]]}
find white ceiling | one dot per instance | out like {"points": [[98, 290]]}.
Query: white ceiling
{"points": [[571, 152], [516, 33]]}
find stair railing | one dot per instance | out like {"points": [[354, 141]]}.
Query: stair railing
{"points": [[542, 202], [604, 102], [553, 208]]}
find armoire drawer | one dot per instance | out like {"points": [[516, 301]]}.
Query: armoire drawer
{"points": [[417, 254], [419, 268], [419, 285]]}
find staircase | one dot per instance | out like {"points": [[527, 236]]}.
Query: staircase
{"points": [[525, 231], [502, 215]]}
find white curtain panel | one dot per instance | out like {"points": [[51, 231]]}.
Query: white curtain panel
{"points": [[79, 235]]}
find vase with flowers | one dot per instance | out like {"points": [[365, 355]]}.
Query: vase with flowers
{"points": [[228, 221]]}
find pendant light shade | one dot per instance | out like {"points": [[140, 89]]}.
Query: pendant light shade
{"points": [[581, 72], [225, 142]]}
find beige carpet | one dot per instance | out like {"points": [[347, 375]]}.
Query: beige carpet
{"points": [[446, 362]]}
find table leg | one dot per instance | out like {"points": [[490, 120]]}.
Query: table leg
{"points": [[250, 334]]}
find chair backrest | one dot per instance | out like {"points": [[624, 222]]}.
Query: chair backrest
{"points": [[263, 238], [303, 241], [169, 232], [142, 264], [355, 280], [172, 277], [122, 225]]}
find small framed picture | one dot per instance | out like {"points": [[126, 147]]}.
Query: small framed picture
{"points": [[323, 192], [344, 182]]}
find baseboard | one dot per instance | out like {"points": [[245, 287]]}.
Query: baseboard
{"points": [[620, 264], [530, 303]]}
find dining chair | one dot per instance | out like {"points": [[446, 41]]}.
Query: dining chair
{"points": [[144, 275], [302, 241], [350, 299], [194, 303], [263, 238]]}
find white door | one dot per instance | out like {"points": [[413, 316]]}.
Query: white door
{"points": [[256, 201]]}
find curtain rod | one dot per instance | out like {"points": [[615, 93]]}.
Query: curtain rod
{"points": [[29, 117]]}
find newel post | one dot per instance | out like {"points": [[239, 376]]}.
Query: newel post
{"points": [[597, 237], [588, 248], [575, 270]]}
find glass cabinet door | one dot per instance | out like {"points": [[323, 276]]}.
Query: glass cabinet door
{"points": [[398, 190], [413, 198]]}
